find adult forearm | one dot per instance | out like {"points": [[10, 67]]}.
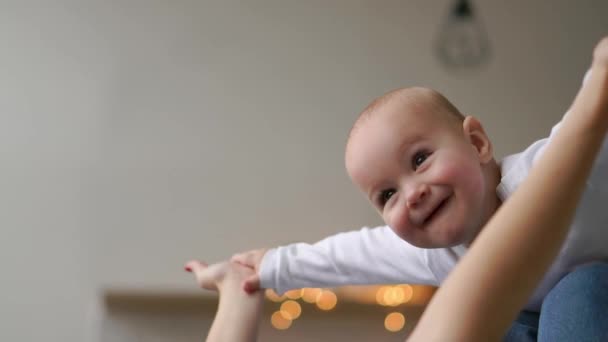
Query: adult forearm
{"points": [[492, 282], [237, 314]]}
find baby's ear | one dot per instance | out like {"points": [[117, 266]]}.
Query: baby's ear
{"points": [[475, 134]]}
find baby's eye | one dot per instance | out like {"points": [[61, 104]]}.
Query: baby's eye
{"points": [[385, 196], [419, 158]]}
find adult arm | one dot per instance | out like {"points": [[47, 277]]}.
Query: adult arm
{"points": [[238, 313], [482, 296]]}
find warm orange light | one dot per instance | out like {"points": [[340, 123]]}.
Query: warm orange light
{"points": [[366, 295], [273, 296], [389, 297], [380, 295], [309, 295], [399, 294], [326, 300], [293, 294], [408, 292], [394, 321], [393, 296], [291, 309], [279, 322]]}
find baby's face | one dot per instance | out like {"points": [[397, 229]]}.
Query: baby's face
{"points": [[422, 174]]}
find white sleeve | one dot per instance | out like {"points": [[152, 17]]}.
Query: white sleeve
{"points": [[366, 256]]}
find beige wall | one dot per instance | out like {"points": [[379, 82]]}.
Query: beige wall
{"points": [[138, 134]]}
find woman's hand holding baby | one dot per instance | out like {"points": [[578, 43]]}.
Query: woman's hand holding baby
{"points": [[235, 306], [219, 276], [253, 260]]}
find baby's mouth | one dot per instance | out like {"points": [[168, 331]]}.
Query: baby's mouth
{"points": [[436, 211]]}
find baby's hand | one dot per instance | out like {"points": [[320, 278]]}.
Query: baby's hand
{"points": [[251, 259], [217, 276]]}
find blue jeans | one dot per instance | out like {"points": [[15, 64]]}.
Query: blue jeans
{"points": [[576, 309]]}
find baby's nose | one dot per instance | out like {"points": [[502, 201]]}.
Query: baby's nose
{"points": [[417, 196]]}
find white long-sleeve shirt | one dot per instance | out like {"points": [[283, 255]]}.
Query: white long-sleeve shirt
{"points": [[378, 256]]}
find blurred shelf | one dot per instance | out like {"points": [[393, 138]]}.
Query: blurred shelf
{"points": [[351, 299]]}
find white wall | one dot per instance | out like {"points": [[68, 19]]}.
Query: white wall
{"points": [[138, 134]]}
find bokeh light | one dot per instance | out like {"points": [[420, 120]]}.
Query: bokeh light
{"points": [[389, 297], [279, 321], [326, 300], [394, 321], [408, 292], [273, 296], [393, 296], [293, 294], [291, 309], [309, 295], [380, 295]]}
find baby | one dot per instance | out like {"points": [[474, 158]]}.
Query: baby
{"points": [[430, 173], [527, 228]]}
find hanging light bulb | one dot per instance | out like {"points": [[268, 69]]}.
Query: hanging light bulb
{"points": [[462, 41]]}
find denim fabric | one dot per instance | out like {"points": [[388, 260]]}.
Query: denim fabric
{"points": [[576, 309], [524, 329]]}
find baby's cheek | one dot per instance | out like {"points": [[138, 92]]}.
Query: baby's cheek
{"points": [[398, 221], [466, 176]]}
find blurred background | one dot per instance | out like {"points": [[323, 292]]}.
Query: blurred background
{"points": [[136, 135]]}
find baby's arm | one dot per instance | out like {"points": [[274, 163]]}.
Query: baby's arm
{"points": [[238, 313], [483, 294], [366, 256]]}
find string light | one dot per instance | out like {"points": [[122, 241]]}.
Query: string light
{"points": [[279, 321], [309, 295], [326, 300], [393, 296], [291, 309], [293, 294], [408, 292], [380, 295], [273, 296], [394, 321]]}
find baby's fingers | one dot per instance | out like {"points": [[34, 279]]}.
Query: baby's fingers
{"points": [[202, 274], [251, 284], [195, 266], [245, 259]]}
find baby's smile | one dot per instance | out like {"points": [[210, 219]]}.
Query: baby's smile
{"points": [[437, 211]]}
